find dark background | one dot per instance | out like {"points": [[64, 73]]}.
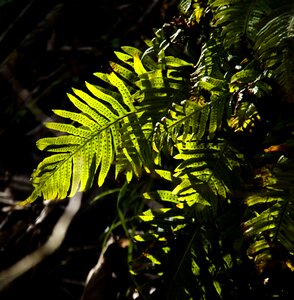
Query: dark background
{"points": [[47, 47]]}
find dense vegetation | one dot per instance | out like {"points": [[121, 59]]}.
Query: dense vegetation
{"points": [[182, 153]]}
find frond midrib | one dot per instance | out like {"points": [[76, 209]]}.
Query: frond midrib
{"points": [[81, 146]]}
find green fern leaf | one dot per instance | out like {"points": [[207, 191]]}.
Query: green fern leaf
{"points": [[211, 61], [108, 129], [200, 172], [245, 117], [124, 72], [161, 195], [203, 176], [77, 165], [89, 143], [272, 222], [274, 47], [268, 27], [184, 6], [191, 118], [108, 98], [127, 98], [248, 13]]}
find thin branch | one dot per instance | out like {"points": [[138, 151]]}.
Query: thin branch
{"points": [[13, 24], [53, 243]]}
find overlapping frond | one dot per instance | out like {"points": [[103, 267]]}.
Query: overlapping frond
{"points": [[200, 263], [268, 27], [239, 19], [112, 125], [181, 123], [274, 46], [203, 175], [272, 222], [211, 62], [193, 118]]}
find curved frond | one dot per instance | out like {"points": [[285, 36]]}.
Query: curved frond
{"points": [[199, 262], [86, 145], [239, 19], [274, 47], [112, 125], [268, 27]]}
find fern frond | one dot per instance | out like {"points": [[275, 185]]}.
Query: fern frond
{"points": [[194, 117], [91, 142], [274, 47], [184, 6], [272, 224], [239, 19], [211, 61], [203, 175], [269, 29], [245, 117], [87, 145], [205, 171], [195, 269], [114, 125]]}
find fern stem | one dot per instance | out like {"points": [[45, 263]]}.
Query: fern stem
{"points": [[182, 260]]}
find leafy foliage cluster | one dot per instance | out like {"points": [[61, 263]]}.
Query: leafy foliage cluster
{"points": [[213, 135]]}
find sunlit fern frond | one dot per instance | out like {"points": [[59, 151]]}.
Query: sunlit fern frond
{"points": [[205, 171], [203, 176], [89, 143], [196, 117], [112, 125], [160, 88], [244, 118], [161, 84]]}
